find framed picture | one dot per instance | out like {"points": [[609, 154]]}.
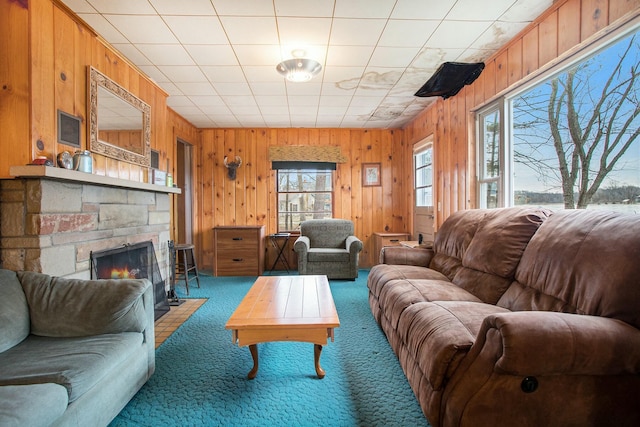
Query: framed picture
{"points": [[68, 129], [370, 174]]}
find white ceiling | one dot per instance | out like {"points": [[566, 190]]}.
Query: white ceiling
{"points": [[217, 58]]}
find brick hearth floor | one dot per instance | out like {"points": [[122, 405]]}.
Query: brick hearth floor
{"points": [[175, 317]]}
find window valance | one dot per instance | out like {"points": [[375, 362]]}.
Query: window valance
{"points": [[306, 153]]}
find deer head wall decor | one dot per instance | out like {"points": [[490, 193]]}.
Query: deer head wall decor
{"points": [[232, 167]]}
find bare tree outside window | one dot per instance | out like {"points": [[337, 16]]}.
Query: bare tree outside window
{"points": [[575, 136]]}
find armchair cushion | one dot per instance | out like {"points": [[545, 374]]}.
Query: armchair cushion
{"points": [[14, 312]]}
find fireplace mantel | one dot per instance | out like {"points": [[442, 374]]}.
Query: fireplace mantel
{"points": [[49, 172]]}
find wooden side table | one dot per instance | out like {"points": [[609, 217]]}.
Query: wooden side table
{"points": [[382, 239]]}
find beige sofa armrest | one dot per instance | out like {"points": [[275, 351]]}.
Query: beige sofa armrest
{"points": [[60, 307], [401, 255], [551, 343]]}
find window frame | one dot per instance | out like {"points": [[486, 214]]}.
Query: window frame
{"points": [[331, 193]]}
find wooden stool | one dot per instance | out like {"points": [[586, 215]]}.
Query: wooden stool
{"points": [[186, 262]]}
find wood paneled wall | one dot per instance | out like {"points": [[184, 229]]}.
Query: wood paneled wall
{"points": [[251, 198], [45, 51], [557, 31]]}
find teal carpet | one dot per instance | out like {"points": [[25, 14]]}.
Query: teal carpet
{"points": [[200, 377]]}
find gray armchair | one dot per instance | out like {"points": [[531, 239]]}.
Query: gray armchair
{"points": [[328, 246]]}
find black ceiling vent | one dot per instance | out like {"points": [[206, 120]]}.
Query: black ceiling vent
{"points": [[449, 78]]}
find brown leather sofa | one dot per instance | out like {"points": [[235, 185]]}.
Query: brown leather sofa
{"points": [[518, 317]]}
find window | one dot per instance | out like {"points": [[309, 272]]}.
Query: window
{"points": [[572, 138], [423, 160], [490, 162], [303, 194]]}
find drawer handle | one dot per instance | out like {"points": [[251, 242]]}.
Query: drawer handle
{"points": [[237, 238], [238, 259], [394, 240]]}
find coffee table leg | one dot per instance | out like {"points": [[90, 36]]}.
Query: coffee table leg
{"points": [[253, 348], [317, 350]]}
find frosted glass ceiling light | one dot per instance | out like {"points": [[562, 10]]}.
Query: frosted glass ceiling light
{"points": [[299, 69]]}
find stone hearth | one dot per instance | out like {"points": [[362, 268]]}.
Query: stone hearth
{"points": [[52, 224]]}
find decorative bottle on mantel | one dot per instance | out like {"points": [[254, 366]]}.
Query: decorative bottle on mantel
{"points": [[82, 161]]}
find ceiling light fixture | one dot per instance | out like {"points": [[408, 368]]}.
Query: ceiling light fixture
{"points": [[299, 69]]}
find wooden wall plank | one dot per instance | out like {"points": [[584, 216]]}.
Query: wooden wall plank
{"points": [[568, 25], [548, 39], [514, 62], [595, 16], [530, 51]]}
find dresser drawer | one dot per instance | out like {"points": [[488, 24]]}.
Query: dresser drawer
{"points": [[238, 251]]}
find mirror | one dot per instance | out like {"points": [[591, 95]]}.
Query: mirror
{"points": [[119, 121]]}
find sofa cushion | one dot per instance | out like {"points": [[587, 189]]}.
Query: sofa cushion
{"points": [[14, 311], [32, 405], [490, 261], [91, 307], [396, 295], [582, 262], [439, 334], [327, 255], [75, 363], [327, 233], [380, 274]]}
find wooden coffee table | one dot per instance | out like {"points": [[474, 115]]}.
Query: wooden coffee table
{"points": [[285, 308]]}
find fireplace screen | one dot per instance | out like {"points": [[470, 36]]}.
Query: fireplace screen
{"points": [[136, 261]]}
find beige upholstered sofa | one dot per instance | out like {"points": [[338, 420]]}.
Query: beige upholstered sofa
{"points": [[518, 317], [328, 246], [72, 352]]}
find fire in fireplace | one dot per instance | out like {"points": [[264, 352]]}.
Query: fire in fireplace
{"points": [[132, 261]]}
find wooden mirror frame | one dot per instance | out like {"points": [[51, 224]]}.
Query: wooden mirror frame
{"points": [[96, 79]]}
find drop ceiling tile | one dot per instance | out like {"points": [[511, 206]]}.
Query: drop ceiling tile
{"points": [[304, 31], [102, 26], [422, 9], [335, 101], [166, 54], [312, 8], [250, 121], [360, 110], [457, 34], [154, 73], [250, 30], [191, 7], [243, 110], [328, 111], [263, 74], [393, 57], [338, 89], [180, 101], [338, 74], [244, 7], [197, 29], [277, 121], [123, 7], [269, 89], [276, 110], [303, 110], [232, 88], [212, 54], [252, 55], [183, 74], [302, 121], [365, 100], [498, 34], [380, 78], [473, 10], [215, 109], [190, 110], [407, 32], [525, 10], [312, 88], [226, 74], [170, 88], [356, 32], [80, 6], [270, 101], [193, 89], [239, 100], [429, 59], [303, 101], [363, 8], [206, 100], [348, 56], [131, 53], [143, 29]]}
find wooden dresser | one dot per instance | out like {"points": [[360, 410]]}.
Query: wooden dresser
{"points": [[386, 239], [238, 250]]}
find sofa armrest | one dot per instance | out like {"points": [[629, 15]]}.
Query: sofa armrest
{"points": [[401, 255], [353, 245], [550, 343], [301, 245], [60, 307]]}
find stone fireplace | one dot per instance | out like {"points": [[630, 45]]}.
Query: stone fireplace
{"points": [[51, 219]]}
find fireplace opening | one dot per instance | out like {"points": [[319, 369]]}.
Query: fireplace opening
{"points": [[132, 261]]}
